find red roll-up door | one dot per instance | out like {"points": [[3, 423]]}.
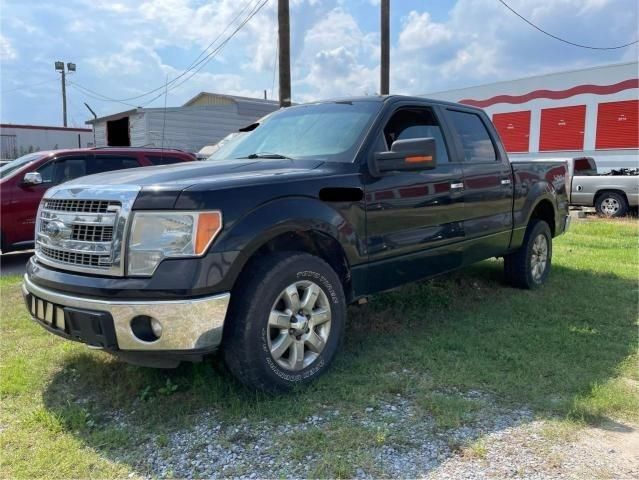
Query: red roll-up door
{"points": [[618, 125], [562, 128], [514, 130]]}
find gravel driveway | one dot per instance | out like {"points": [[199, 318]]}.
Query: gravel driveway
{"points": [[392, 440]]}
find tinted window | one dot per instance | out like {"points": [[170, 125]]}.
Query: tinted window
{"points": [[15, 165], [107, 163], [163, 159], [477, 145], [585, 167], [46, 171], [416, 123], [67, 169]]}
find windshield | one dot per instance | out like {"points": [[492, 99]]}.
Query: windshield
{"points": [[15, 165], [327, 131]]}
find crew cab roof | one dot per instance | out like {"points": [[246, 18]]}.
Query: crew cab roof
{"points": [[391, 99]]}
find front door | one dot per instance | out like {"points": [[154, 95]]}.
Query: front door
{"points": [[414, 219]]}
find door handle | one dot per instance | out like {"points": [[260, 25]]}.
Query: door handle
{"points": [[456, 186], [505, 181]]}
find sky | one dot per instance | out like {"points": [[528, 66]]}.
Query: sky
{"points": [[125, 49]]}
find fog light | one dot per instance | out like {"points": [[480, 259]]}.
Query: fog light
{"points": [[146, 328], [156, 326]]}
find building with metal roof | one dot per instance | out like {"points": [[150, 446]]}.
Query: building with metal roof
{"points": [[203, 120]]}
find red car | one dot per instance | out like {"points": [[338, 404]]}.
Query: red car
{"points": [[23, 181]]}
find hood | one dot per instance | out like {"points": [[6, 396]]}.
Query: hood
{"points": [[219, 173]]}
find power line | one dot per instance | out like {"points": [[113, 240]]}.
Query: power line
{"points": [[210, 57], [51, 80], [193, 64], [97, 96], [590, 47]]}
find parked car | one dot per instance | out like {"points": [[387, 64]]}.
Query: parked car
{"points": [[24, 181], [612, 194], [259, 250]]}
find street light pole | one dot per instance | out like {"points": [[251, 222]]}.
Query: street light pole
{"points": [[59, 66], [64, 98]]}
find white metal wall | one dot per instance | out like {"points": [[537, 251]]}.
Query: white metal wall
{"points": [[34, 139], [191, 128], [187, 128]]}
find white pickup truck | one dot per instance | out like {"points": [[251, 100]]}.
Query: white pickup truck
{"points": [[612, 194]]}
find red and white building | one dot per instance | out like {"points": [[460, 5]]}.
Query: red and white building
{"points": [[593, 112]]}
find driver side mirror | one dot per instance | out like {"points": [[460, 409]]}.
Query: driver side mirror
{"points": [[414, 154], [32, 178]]}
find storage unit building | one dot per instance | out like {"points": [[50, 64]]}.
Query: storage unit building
{"points": [[18, 140], [592, 112], [204, 120]]}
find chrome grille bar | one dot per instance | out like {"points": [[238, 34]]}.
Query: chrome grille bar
{"points": [[84, 206]]}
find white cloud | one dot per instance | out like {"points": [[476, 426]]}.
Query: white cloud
{"points": [[7, 52], [419, 31]]}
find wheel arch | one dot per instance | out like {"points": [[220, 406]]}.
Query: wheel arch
{"points": [[603, 191], [301, 224], [546, 211]]}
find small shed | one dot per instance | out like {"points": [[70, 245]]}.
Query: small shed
{"points": [[204, 120]]}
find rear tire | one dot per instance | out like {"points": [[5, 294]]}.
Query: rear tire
{"points": [[286, 321], [611, 204], [529, 266]]}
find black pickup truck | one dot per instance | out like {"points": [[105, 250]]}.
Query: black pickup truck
{"points": [[258, 251]]}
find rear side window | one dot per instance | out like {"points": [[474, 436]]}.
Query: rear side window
{"points": [[107, 163], [163, 159], [474, 137], [585, 167]]}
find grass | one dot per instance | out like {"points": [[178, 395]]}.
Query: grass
{"points": [[567, 351]]}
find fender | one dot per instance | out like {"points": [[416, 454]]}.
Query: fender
{"points": [[527, 199], [343, 221]]}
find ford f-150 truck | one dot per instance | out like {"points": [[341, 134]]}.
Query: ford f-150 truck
{"points": [[258, 251]]}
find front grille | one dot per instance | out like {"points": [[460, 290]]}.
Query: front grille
{"points": [[92, 233], [73, 258], [79, 234], [82, 206]]}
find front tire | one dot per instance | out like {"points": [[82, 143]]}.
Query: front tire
{"points": [[611, 204], [286, 321], [529, 266]]}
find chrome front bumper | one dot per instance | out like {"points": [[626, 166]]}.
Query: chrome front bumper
{"points": [[192, 324]]}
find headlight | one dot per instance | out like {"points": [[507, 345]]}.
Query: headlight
{"points": [[158, 235]]}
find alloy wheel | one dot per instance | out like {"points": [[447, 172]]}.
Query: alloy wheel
{"points": [[299, 325]]}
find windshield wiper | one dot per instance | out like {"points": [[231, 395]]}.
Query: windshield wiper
{"points": [[267, 155]]}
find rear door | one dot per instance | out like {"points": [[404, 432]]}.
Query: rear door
{"points": [[487, 185], [413, 218]]}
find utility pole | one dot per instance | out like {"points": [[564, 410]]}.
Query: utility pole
{"points": [[284, 34], [59, 66], [385, 48]]}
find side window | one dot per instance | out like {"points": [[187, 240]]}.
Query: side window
{"points": [[67, 169], [107, 163], [46, 172], [416, 123], [163, 159], [475, 140], [585, 166]]}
